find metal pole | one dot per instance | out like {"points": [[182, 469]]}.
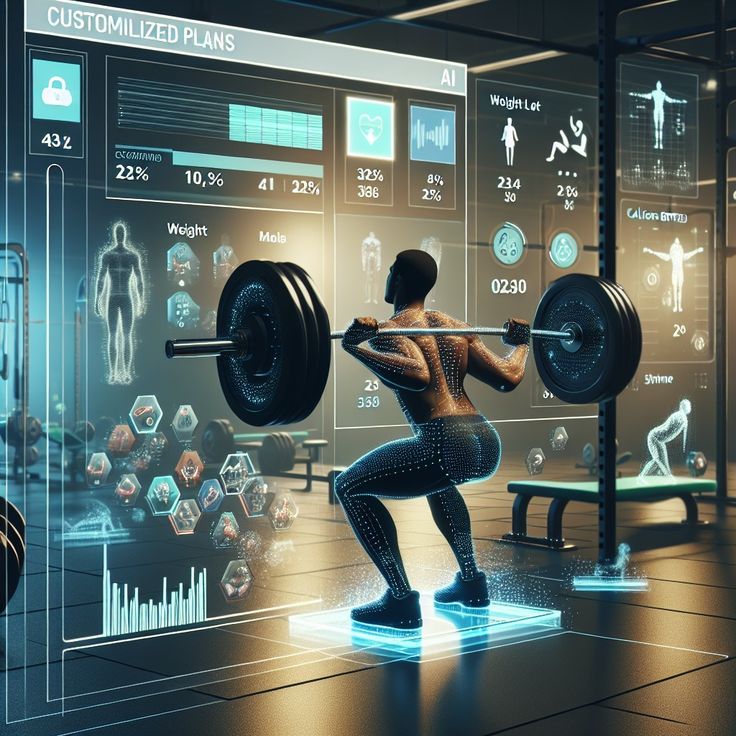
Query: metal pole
{"points": [[607, 264], [721, 281]]}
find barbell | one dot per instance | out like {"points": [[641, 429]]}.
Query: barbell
{"points": [[273, 347]]}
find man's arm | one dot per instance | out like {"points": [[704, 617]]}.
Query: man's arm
{"points": [[100, 285], [691, 254], [661, 256], [139, 278], [502, 373], [397, 361]]}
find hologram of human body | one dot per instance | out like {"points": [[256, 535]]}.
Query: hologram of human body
{"points": [[677, 257], [658, 97], [120, 300], [658, 438], [370, 252]]}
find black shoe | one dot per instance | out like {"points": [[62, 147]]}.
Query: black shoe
{"points": [[391, 612], [471, 593]]}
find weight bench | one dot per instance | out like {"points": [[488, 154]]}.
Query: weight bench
{"points": [[651, 489]]}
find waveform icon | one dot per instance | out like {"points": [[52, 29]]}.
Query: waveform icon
{"points": [[437, 135], [432, 134], [123, 613]]}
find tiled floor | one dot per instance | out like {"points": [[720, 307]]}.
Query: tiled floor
{"points": [[654, 663]]}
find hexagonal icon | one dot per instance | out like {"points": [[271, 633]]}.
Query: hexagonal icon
{"points": [[210, 495], [235, 472], [98, 469], [182, 264], [237, 581], [127, 489], [185, 516], [535, 461], [559, 438], [184, 423], [162, 495], [189, 468], [145, 414], [182, 311], [120, 441], [255, 498], [249, 545], [226, 532], [282, 513], [697, 463], [224, 261]]}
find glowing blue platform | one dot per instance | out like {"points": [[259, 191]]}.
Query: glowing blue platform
{"points": [[613, 584], [445, 631]]}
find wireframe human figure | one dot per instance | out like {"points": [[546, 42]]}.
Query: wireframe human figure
{"points": [[564, 145], [120, 300], [677, 257], [658, 438], [658, 97], [451, 441], [371, 258], [510, 140]]}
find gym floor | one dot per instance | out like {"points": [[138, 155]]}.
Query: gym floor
{"points": [[656, 663]]}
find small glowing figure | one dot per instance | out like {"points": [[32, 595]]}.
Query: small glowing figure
{"points": [[657, 439], [371, 258], [658, 97], [510, 140], [564, 145], [677, 257], [619, 566], [120, 300]]}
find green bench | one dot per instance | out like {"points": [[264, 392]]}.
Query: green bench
{"points": [[652, 488]]}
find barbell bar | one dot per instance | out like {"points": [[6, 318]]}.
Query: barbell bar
{"points": [[273, 341], [206, 347]]}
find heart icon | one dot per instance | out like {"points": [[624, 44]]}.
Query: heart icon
{"points": [[371, 126]]}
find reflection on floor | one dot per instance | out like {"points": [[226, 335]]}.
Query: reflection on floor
{"points": [[655, 662]]}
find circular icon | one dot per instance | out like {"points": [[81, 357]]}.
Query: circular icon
{"points": [[508, 244], [699, 341], [651, 278], [563, 250]]}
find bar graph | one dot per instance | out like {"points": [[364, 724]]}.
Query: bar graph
{"points": [[124, 613]]}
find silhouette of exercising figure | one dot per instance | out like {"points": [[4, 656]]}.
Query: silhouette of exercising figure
{"points": [[451, 443], [677, 257], [658, 96], [657, 439], [510, 139], [120, 300], [564, 145]]}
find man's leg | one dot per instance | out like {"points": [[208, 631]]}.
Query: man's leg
{"points": [[452, 518]]}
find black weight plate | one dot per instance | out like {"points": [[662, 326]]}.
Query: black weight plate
{"points": [[323, 353], [14, 537], [588, 374], [269, 456], [300, 387], [217, 440], [258, 391], [637, 339], [11, 512], [11, 569], [288, 450], [624, 357]]}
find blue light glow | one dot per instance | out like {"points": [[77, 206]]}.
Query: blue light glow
{"points": [[602, 583]]}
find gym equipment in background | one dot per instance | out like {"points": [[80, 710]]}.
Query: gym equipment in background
{"points": [[274, 342], [590, 462]]}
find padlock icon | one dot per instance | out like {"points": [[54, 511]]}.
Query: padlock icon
{"points": [[56, 93]]}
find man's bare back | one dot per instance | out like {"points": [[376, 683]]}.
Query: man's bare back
{"points": [[428, 372]]}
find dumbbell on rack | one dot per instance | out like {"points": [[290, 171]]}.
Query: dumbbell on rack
{"points": [[12, 549], [277, 451]]}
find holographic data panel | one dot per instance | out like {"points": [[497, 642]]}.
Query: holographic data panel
{"points": [[152, 156]]}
